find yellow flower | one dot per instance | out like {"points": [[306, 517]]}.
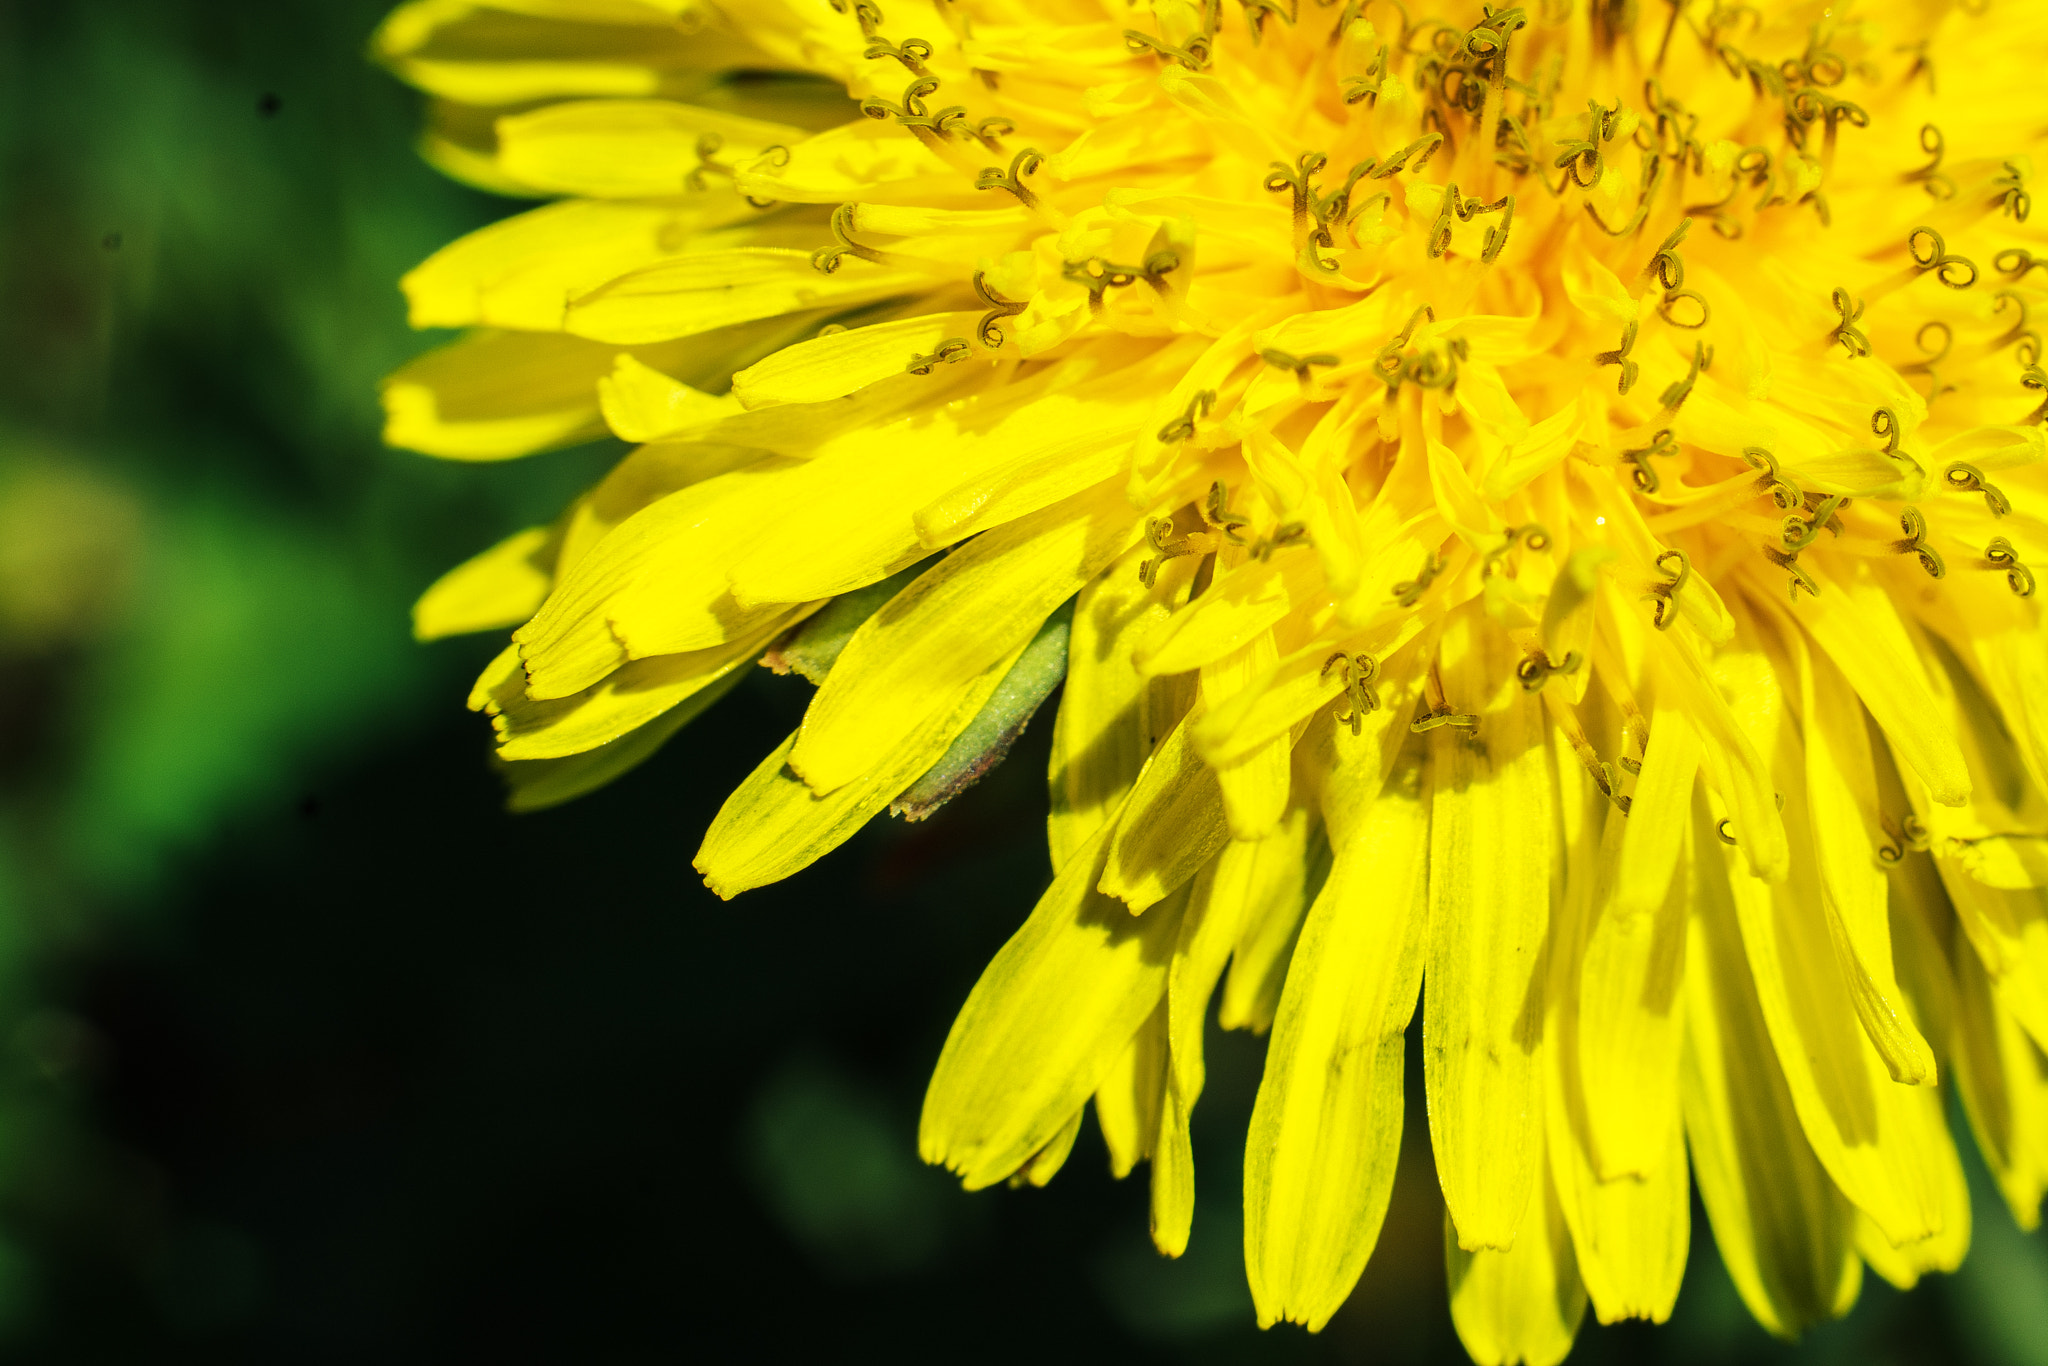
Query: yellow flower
{"points": [[1546, 498]]}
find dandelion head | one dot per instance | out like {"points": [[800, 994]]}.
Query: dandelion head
{"points": [[1530, 512]]}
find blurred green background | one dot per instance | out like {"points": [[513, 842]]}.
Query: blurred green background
{"points": [[307, 1051]]}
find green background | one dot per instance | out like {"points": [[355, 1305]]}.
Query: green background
{"points": [[307, 1051]]}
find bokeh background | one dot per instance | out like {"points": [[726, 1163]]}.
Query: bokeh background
{"points": [[308, 1052]]}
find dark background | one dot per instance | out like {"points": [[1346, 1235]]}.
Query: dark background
{"points": [[310, 1053]]}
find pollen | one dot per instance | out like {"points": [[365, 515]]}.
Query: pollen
{"points": [[1532, 515]]}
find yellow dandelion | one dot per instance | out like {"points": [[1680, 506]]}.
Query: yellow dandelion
{"points": [[1535, 511]]}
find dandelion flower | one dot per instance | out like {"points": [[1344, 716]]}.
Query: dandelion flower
{"points": [[1533, 510]]}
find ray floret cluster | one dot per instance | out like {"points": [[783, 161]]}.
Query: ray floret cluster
{"points": [[1529, 511]]}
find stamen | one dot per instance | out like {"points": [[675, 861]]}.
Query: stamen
{"points": [[1532, 537], [1790, 564], [1610, 786], [1426, 145], [913, 113], [913, 53], [1915, 526], [1619, 356], [2029, 342], [990, 327], [1282, 360], [1847, 333], [2017, 261], [864, 13], [2014, 200], [1666, 594], [1255, 12], [1672, 297], [1969, 479], [1586, 157], [1408, 592], [707, 149], [2017, 576], [1909, 835], [1937, 184], [1933, 255], [776, 157], [1195, 56], [1184, 427], [1536, 669], [1023, 164], [1297, 181], [1365, 88], [991, 131], [1359, 671], [1884, 423], [951, 351], [1667, 265], [825, 260], [1678, 391], [1159, 535], [1216, 512], [1284, 535], [1798, 531], [1783, 491], [1660, 444]]}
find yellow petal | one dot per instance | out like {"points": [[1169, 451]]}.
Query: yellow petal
{"points": [[1630, 1234], [1171, 825], [1729, 761], [1274, 881], [1611, 1108], [1109, 719], [714, 289], [541, 783], [494, 55], [1255, 787], [641, 403], [640, 574], [1660, 811], [1627, 1002], [1855, 623], [1220, 899], [1307, 680], [774, 825], [833, 366], [859, 160], [1491, 831], [2009, 930], [1886, 1145], [522, 271], [984, 602], [501, 587], [1045, 1164], [1524, 1304], [1246, 603], [626, 148], [1173, 1173], [627, 699], [2002, 1076], [1127, 1101], [1784, 1230], [647, 475], [1841, 793], [992, 426], [496, 395], [1326, 1130], [1044, 1025]]}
